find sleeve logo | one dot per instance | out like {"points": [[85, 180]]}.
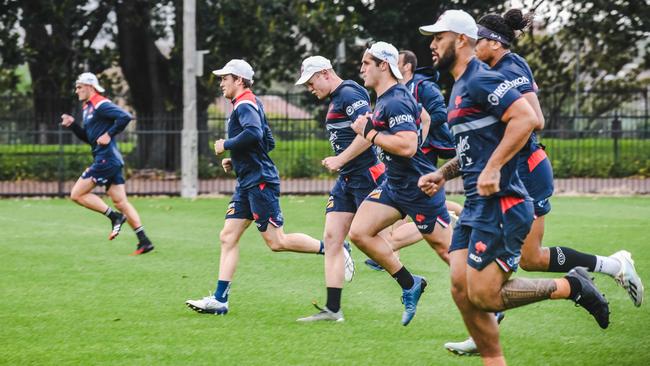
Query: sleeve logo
{"points": [[355, 106], [398, 120], [495, 97]]}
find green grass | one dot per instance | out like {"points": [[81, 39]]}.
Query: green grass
{"points": [[71, 297]]}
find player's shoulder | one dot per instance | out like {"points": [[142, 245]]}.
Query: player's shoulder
{"points": [[351, 89]]}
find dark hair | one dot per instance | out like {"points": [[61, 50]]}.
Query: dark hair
{"points": [[410, 58], [376, 59], [506, 25], [247, 83]]}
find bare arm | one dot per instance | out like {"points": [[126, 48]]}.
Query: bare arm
{"points": [[403, 143], [431, 183], [531, 98], [521, 120], [425, 121], [358, 146]]}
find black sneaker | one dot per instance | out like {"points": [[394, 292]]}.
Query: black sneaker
{"points": [[589, 297], [143, 247], [116, 226]]}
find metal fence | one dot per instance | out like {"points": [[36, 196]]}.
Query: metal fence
{"points": [[609, 153]]}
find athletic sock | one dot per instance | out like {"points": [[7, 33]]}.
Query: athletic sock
{"points": [[222, 291], [404, 278], [142, 237], [575, 286], [607, 265], [563, 259], [113, 215], [321, 251], [334, 299]]}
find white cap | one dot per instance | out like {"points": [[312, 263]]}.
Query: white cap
{"points": [[237, 67], [89, 78], [456, 21], [312, 65], [387, 52]]}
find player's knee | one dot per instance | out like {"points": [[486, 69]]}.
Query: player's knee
{"points": [[458, 291], [532, 262], [484, 299], [357, 236], [121, 204], [75, 196], [332, 241], [228, 239], [275, 245]]}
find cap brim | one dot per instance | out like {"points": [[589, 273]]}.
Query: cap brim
{"points": [[428, 30], [395, 70], [99, 88], [221, 72], [305, 77]]}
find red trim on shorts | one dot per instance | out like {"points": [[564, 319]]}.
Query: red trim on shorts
{"points": [[442, 222], [504, 266], [427, 149], [377, 170], [508, 202], [262, 186], [535, 158]]}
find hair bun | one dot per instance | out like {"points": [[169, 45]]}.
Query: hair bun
{"points": [[516, 19]]}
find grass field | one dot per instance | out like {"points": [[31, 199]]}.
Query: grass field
{"points": [[71, 297]]}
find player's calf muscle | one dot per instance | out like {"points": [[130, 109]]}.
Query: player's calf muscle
{"points": [[522, 291]]}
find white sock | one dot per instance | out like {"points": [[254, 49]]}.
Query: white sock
{"points": [[607, 265]]}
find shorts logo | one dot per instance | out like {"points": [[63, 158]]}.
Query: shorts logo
{"points": [[423, 227], [458, 100], [480, 247], [330, 202], [256, 216], [475, 258], [560, 256], [420, 217], [375, 194]]}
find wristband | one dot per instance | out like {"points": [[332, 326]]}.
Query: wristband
{"points": [[368, 127], [372, 140]]}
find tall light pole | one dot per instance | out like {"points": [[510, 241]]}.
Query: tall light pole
{"points": [[189, 135]]}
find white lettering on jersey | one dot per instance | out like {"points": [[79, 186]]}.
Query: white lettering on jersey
{"points": [[397, 120], [503, 88]]}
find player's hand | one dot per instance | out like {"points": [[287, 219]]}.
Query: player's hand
{"points": [[104, 139], [332, 163], [66, 120], [226, 164], [218, 146], [431, 183], [359, 125], [488, 181]]}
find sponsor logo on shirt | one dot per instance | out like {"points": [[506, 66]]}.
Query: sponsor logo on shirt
{"points": [[461, 148], [495, 97], [398, 120], [355, 106]]}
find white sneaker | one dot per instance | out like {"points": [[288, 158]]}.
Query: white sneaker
{"points": [[454, 219], [628, 278], [465, 348], [349, 262], [324, 314], [208, 305]]}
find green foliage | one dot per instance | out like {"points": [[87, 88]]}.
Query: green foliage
{"points": [[72, 298]]}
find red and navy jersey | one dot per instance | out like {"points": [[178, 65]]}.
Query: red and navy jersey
{"points": [[426, 92], [251, 161], [516, 70], [101, 116], [478, 100], [396, 110], [348, 101]]}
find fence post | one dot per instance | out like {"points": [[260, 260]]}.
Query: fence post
{"points": [[616, 134], [61, 161]]}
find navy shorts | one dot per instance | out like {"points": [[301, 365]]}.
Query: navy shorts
{"points": [[425, 211], [498, 239], [104, 173], [536, 173], [350, 190], [260, 203]]}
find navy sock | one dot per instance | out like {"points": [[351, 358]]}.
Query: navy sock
{"points": [[404, 278], [563, 259], [222, 291], [321, 251], [112, 215], [334, 299], [142, 237]]}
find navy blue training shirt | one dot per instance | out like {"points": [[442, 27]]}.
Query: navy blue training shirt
{"points": [[426, 92], [396, 111], [100, 116], [478, 100], [348, 101], [250, 142], [516, 70]]}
